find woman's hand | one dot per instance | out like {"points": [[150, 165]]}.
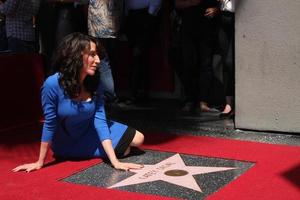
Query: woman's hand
{"points": [[127, 166], [211, 12], [28, 167]]}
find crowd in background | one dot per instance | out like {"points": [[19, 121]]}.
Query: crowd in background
{"points": [[199, 30]]}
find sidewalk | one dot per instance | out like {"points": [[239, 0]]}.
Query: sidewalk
{"points": [[164, 115]]}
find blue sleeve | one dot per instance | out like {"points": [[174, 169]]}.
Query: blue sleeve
{"points": [[49, 104], [100, 121], [154, 7], [9, 7]]}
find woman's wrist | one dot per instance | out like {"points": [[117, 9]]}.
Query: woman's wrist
{"points": [[40, 163], [114, 162]]}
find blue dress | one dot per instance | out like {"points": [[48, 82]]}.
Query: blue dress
{"points": [[76, 128]]}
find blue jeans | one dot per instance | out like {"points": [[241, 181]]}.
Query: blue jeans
{"points": [[107, 80]]}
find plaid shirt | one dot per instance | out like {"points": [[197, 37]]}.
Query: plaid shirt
{"points": [[19, 18]]}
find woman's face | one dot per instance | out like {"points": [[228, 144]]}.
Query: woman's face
{"points": [[90, 61]]}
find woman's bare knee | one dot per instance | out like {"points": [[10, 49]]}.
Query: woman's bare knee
{"points": [[138, 139]]}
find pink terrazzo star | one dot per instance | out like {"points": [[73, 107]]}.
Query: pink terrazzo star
{"points": [[172, 170]]}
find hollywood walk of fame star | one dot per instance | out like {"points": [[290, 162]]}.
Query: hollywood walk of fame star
{"points": [[172, 170]]}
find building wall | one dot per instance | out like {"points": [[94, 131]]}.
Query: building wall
{"points": [[268, 65]]}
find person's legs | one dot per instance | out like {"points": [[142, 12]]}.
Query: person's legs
{"points": [[130, 138], [205, 74], [137, 141], [110, 45], [65, 23], [107, 80], [190, 76], [229, 105], [226, 39], [47, 20], [140, 31], [205, 45], [229, 86]]}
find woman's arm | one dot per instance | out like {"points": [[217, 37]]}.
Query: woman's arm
{"points": [[108, 148], [39, 163], [100, 123], [49, 104]]}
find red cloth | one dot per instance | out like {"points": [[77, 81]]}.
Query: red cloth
{"points": [[22, 75], [274, 176]]}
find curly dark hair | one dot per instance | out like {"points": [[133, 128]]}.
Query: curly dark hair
{"points": [[68, 61]]}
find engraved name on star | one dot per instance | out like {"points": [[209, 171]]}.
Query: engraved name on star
{"points": [[172, 170]]}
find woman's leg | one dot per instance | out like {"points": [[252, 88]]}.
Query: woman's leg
{"points": [[136, 142]]}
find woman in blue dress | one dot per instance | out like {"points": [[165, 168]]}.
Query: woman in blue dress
{"points": [[75, 121]]}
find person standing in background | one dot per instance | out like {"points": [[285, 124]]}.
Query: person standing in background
{"points": [[104, 23], [20, 30], [141, 22], [197, 43], [226, 40], [56, 19]]}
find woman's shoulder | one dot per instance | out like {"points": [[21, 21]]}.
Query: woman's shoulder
{"points": [[51, 90], [52, 81]]}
